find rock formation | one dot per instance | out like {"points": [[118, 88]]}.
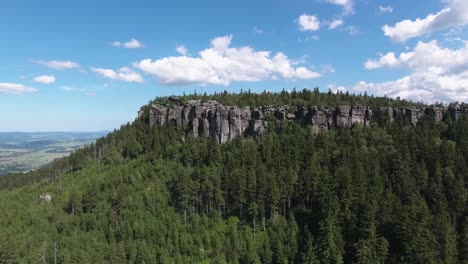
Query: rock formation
{"points": [[45, 197], [227, 122]]}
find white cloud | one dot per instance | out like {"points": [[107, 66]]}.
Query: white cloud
{"points": [[45, 79], [335, 23], [347, 5], [303, 73], [131, 44], [431, 86], [123, 74], [59, 65], [308, 23], [424, 56], [327, 68], [14, 88], [223, 64], [387, 60], [385, 9], [182, 50], [436, 74], [453, 15], [67, 88], [257, 31], [308, 38], [337, 89], [352, 30]]}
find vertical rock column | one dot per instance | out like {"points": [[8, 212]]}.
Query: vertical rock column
{"points": [[358, 115], [342, 116], [257, 123], [235, 122], [319, 120], [158, 115], [246, 116], [222, 124]]}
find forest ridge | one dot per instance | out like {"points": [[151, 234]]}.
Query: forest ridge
{"points": [[390, 191], [208, 117]]}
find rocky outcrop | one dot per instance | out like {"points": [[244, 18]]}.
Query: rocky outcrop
{"points": [[458, 110], [413, 114], [45, 198], [225, 123]]}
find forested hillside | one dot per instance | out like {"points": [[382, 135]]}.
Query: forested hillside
{"points": [[391, 192]]}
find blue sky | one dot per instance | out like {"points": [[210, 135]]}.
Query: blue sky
{"points": [[89, 65]]}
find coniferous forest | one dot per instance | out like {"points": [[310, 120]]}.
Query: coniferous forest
{"points": [[391, 192]]}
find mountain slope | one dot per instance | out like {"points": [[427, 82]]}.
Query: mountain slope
{"points": [[386, 193]]}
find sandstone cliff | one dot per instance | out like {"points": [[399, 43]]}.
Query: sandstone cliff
{"points": [[227, 122]]}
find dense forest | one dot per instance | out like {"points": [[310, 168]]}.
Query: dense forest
{"points": [[303, 97], [391, 192]]}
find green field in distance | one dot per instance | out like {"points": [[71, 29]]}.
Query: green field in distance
{"points": [[25, 151]]}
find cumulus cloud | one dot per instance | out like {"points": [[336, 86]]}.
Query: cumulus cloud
{"points": [[14, 88], [131, 44], [59, 65], [45, 79], [453, 15], [222, 64], [182, 50], [123, 74], [347, 5], [308, 23], [387, 60], [335, 23], [423, 56], [385, 9], [437, 74]]}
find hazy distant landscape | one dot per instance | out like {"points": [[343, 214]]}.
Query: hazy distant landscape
{"points": [[24, 151]]}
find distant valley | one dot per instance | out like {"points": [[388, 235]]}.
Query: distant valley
{"points": [[25, 151]]}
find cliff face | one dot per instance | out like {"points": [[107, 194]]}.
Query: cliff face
{"points": [[227, 122]]}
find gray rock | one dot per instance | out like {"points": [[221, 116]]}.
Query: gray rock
{"points": [[195, 127], [413, 114], [235, 122], [258, 127], [174, 99], [45, 197], [257, 114], [358, 115], [342, 116], [224, 123], [387, 111], [158, 115], [457, 111], [319, 118], [438, 114], [280, 114], [194, 102]]}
